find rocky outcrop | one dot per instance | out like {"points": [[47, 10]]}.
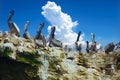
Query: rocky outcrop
{"points": [[21, 60]]}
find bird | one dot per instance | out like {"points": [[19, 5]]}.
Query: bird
{"points": [[39, 35], [109, 47], [26, 34], [13, 27], [87, 47]]}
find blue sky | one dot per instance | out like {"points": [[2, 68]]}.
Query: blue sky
{"points": [[102, 17]]}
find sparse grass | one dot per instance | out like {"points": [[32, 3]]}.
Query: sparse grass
{"points": [[29, 58]]}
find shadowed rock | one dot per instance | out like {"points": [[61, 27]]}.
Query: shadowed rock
{"points": [[13, 27], [40, 36], [16, 70], [109, 47], [71, 58], [52, 41], [26, 34]]}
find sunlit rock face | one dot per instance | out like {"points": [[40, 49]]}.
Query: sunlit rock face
{"points": [[21, 55]]}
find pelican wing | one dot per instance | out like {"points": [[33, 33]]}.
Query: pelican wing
{"points": [[15, 29]]}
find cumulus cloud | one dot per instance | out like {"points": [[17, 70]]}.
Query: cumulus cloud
{"points": [[63, 23]]}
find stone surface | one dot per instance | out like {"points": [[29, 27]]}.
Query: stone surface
{"points": [[20, 55]]}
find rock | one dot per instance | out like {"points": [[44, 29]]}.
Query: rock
{"points": [[0, 40], [6, 40], [68, 65], [56, 51], [9, 45], [5, 33], [8, 50], [70, 53], [14, 39], [96, 60], [51, 63], [24, 71], [81, 60]]}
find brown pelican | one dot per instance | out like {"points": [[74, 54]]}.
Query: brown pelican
{"points": [[52, 35], [87, 47], [40, 36], [26, 34], [93, 37], [109, 47], [13, 27], [52, 41], [78, 47], [93, 47]]}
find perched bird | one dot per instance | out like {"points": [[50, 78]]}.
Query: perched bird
{"points": [[93, 37], [87, 47], [39, 35], [52, 41], [26, 34], [13, 27], [109, 47]]}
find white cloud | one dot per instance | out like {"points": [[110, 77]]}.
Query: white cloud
{"points": [[63, 22]]}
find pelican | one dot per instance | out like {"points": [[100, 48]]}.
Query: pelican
{"points": [[52, 35], [40, 36], [52, 41], [109, 47], [26, 34], [93, 37], [87, 47], [13, 27]]}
